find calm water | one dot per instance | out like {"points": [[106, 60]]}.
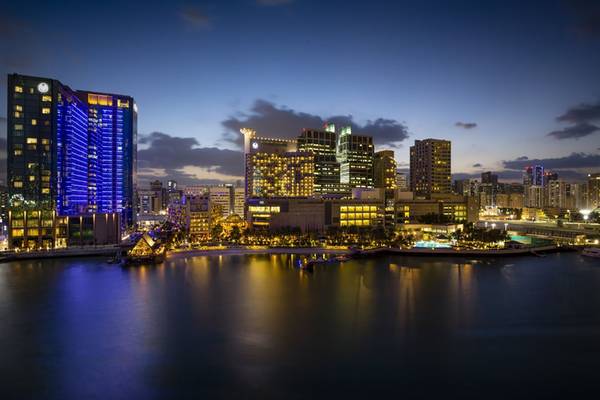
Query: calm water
{"points": [[253, 326]]}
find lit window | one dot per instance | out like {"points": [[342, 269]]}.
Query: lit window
{"points": [[31, 178], [34, 121], [18, 184], [46, 191], [18, 152], [19, 89], [31, 165], [46, 98], [46, 110], [31, 140], [17, 114], [45, 141], [18, 107], [18, 232], [18, 127]]}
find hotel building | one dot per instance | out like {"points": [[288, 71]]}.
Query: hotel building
{"points": [[70, 153]]}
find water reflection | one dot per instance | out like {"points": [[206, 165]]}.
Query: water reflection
{"points": [[248, 324]]}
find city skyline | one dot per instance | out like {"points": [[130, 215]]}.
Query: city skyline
{"points": [[509, 84]]}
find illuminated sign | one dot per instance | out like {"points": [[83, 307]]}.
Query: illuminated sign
{"points": [[43, 87], [255, 145]]}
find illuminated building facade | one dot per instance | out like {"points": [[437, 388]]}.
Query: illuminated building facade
{"points": [[533, 175], [70, 152], [355, 155], [323, 143], [384, 171], [314, 214], [593, 191], [274, 168], [430, 167], [459, 209]]}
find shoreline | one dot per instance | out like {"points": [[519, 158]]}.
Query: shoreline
{"points": [[533, 251], [241, 251]]}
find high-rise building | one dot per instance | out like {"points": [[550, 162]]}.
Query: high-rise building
{"points": [[533, 175], [430, 167], [322, 143], [401, 181], [239, 201], [489, 178], [274, 167], [70, 152], [220, 196], [355, 155], [384, 170], [594, 190]]}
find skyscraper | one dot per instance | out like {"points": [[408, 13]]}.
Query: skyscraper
{"points": [[430, 167], [533, 175], [355, 155], [72, 152], [594, 190], [322, 143], [274, 167]]}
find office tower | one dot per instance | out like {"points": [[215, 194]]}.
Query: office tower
{"points": [[593, 191], [355, 155], [533, 175], [322, 143], [401, 181], [489, 178], [171, 185], [239, 201], [430, 167], [70, 152], [220, 196], [384, 170], [275, 169], [466, 187], [199, 216]]}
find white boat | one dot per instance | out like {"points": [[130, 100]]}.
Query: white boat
{"points": [[591, 252]]}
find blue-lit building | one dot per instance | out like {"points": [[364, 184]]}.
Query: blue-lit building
{"points": [[70, 152]]}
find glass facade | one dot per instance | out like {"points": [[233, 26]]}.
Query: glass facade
{"points": [[72, 152]]}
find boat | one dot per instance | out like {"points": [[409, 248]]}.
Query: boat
{"points": [[343, 257], [593, 252]]}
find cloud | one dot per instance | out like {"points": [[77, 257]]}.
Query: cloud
{"points": [[575, 131], [271, 120], [273, 3], [582, 118], [194, 18], [466, 125], [478, 165], [522, 158], [172, 156], [581, 113], [587, 13], [572, 161]]}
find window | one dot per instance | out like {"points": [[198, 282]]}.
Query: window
{"points": [[18, 127], [18, 184], [46, 98], [18, 152], [18, 89], [34, 121], [18, 232], [45, 190], [31, 165], [18, 107], [31, 140], [31, 178], [46, 110], [17, 114]]}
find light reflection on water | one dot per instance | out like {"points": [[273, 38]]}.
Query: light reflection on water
{"points": [[257, 325]]}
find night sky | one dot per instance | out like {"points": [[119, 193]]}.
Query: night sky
{"points": [[509, 82]]}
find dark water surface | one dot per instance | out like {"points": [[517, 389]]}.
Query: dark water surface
{"points": [[255, 327]]}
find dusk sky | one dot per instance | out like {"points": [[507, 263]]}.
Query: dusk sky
{"points": [[509, 82]]}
